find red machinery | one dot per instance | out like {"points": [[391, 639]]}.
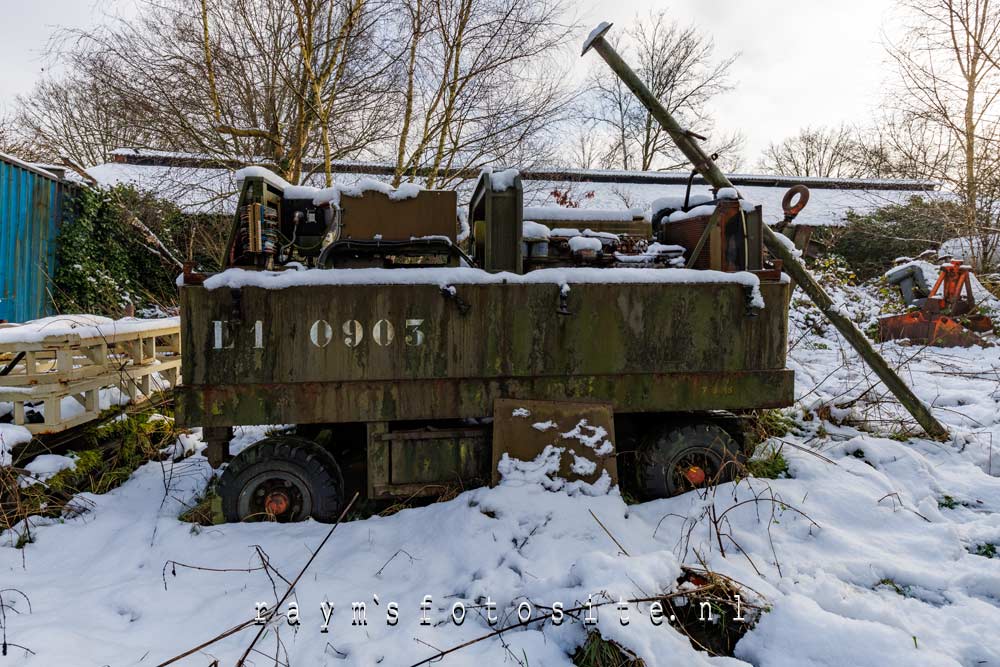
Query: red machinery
{"points": [[947, 319]]}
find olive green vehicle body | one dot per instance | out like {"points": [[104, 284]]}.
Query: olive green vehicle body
{"points": [[284, 356], [410, 365], [406, 363]]}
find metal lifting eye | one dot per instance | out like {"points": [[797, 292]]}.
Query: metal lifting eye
{"points": [[791, 210]]}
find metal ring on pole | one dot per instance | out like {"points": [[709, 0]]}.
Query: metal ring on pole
{"points": [[791, 210]]}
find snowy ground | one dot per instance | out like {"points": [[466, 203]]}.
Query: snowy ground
{"points": [[864, 556]]}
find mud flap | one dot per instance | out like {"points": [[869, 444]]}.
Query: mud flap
{"points": [[523, 429]]}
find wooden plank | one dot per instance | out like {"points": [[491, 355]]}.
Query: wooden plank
{"points": [[108, 379], [70, 366], [48, 343], [53, 377], [60, 341]]}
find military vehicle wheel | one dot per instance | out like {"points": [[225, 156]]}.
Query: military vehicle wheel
{"points": [[282, 479], [679, 459]]}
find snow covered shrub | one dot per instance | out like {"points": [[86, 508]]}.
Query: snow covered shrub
{"points": [[207, 509], [769, 463], [767, 460], [987, 550], [833, 271], [569, 199], [869, 243], [991, 281], [707, 609], [110, 453], [766, 424]]}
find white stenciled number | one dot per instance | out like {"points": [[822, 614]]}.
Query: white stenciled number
{"points": [[414, 336], [321, 333], [383, 332], [353, 333]]}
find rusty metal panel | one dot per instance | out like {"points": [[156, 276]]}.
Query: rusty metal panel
{"points": [[340, 353], [523, 429], [724, 248], [421, 462], [30, 216], [331, 402], [374, 214], [411, 332], [435, 459]]}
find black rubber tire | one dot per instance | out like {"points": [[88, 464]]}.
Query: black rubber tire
{"points": [[299, 458], [709, 446]]}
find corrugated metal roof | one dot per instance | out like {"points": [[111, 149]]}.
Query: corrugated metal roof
{"points": [[202, 184], [152, 158]]}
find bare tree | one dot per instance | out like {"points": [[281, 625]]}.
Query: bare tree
{"points": [[12, 140], [480, 84], [441, 86], [587, 149], [677, 64], [828, 152], [267, 81], [328, 39], [75, 116], [946, 111]]}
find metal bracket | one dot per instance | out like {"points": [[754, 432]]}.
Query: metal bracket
{"points": [[449, 292], [563, 302]]}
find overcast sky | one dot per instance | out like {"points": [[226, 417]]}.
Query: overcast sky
{"points": [[811, 62]]}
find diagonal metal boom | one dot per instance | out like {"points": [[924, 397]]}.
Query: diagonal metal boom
{"points": [[705, 166]]}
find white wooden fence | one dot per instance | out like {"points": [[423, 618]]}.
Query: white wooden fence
{"points": [[79, 357]]}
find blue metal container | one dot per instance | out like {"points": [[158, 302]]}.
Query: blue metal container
{"points": [[31, 202]]}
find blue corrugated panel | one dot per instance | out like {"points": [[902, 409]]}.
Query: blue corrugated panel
{"points": [[30, 214]]}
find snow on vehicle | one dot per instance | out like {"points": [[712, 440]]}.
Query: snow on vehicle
{"points": [[392, 350], [404, 342]]}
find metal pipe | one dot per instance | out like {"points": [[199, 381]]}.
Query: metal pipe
{"points": [[778, 248], [790, 263], [684, 139]]}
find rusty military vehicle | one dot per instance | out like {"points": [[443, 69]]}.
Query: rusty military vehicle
{"points": [[388, 336], [402, 339]]}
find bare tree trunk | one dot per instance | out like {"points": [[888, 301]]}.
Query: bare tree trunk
{"points": [[208, 62], [416, 31], [948, 65], [454, 83]]}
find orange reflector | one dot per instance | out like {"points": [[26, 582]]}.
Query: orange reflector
{"points": [[695, 475], [277, 503]]}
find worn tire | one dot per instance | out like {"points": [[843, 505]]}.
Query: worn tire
{"points": [[665, 456], [307, 474]]}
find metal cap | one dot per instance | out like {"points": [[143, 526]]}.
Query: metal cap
{"points": [[599, 31]]}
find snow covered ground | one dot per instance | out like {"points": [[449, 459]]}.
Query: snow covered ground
{"points": [[864, 556]]}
